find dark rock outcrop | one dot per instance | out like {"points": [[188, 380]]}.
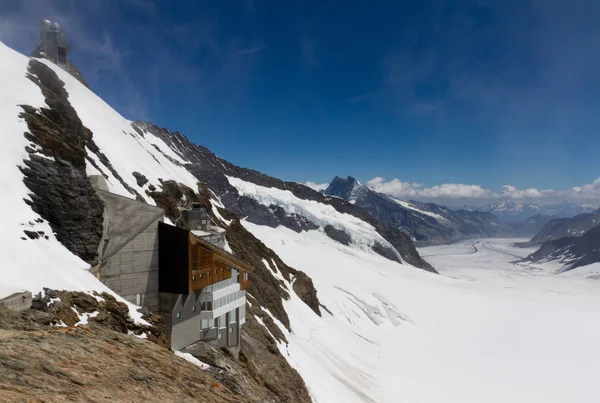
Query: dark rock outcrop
{"points": [[61, 192], [337, 235], [564, 227], [385, 251], [140, 179], [572, 251], [305, 289]]}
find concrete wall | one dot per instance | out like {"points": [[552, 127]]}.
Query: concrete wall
{"points": [[19, 301], [133, 269], [185, 321]]}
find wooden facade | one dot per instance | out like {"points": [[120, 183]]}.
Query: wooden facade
{"points": [[188, 263], [210, 265]]}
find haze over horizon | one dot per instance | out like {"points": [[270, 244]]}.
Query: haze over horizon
{"points": [[457, 104]]}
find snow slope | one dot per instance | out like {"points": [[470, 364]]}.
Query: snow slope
{"points": [[363, 235], [125, 148], [34, 264], [404, 335], [413, 208], [26, 264]]}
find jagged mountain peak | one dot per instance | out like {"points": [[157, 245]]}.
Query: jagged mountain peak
{"points": [[347, 189]]}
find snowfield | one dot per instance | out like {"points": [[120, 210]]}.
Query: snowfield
{"points": [[363, 234], [492, 332]]}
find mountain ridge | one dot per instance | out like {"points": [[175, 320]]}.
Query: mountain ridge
{"points": [[425, 223], [512, 212]]}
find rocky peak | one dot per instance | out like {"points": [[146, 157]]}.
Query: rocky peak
{"points": [[343, 188]]}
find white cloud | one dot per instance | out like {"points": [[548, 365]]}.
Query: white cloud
{"points": [[457, 193], [400, 189], [316, 186]]}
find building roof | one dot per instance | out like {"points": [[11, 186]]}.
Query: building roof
{"points": [[221, 254], [127, 218]]}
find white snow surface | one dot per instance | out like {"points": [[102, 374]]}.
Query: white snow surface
{"points": [[363, 234], [126, 150], [486, 330], [34, 264], [413, 208]]}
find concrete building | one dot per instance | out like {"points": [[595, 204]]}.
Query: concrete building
{"points": [[186, 276], [128, 251]]}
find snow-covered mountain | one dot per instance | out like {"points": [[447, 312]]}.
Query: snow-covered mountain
{"points": [[337, 311], [426, 223], [511, 212]]}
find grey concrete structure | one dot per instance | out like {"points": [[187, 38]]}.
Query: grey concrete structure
{"points": [[213, 315], [128, 251], [129, 265], [19, 301]]}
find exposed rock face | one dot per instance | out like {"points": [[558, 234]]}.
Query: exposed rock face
{"points": [[265, 288], [109, 313], [305, 289], [337, 235], [257, 374], [41, 362], [61, 192], [572, 251], [565, 227], [210, 169], [385, 252], [140, 179], [73, 70]]}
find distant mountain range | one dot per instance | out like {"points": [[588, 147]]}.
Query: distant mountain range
{"points": [[510, 212], [426, 223], [531, 225]]}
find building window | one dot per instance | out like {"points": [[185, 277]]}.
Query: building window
{"points": [[230, 330], [193, 278], [220, 336], [245, 276], [200, 275], [194, 308], [178, 315], [138, 299]]}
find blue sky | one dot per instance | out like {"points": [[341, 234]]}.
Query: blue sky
{"points": [[485, 93]]}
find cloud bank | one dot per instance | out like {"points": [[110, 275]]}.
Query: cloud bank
{"points": [[458, 193]]}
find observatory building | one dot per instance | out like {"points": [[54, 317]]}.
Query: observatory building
{"points": [[53, 43]]}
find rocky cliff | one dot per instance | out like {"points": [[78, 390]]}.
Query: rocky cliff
{"points": [[571, 251], [213, 171], [564, 227]]}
